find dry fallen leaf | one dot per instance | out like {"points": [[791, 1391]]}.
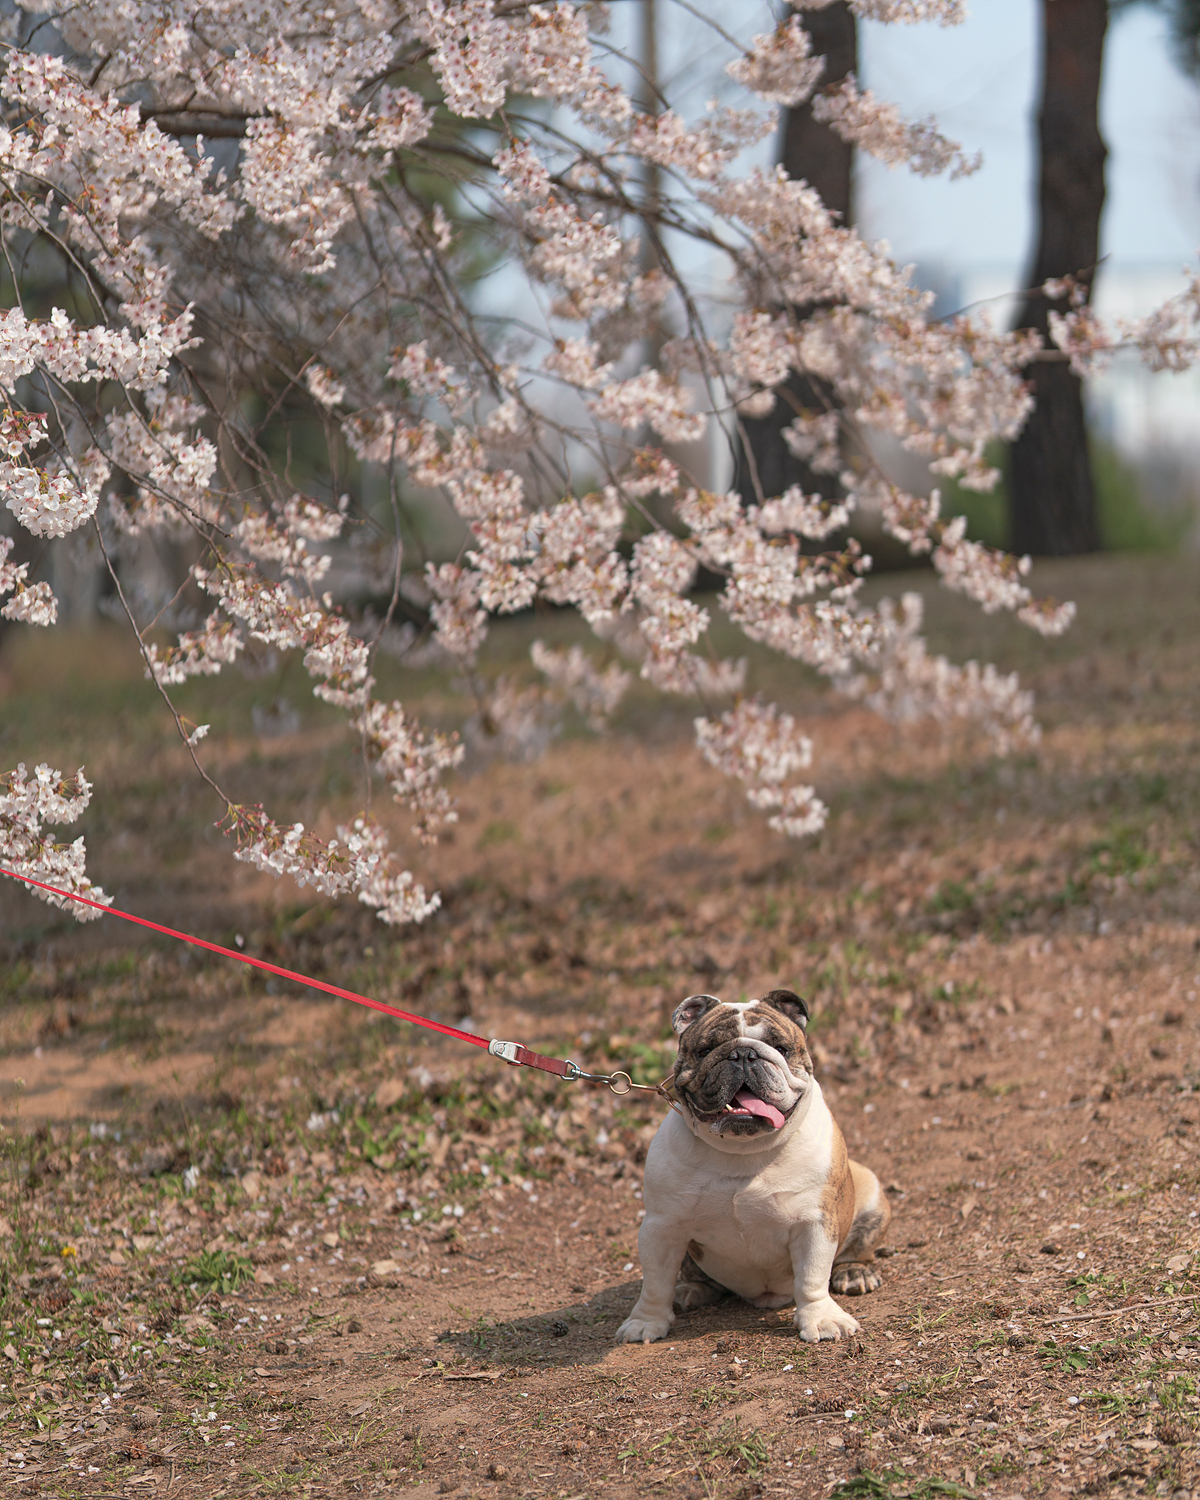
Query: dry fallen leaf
{"points": [[969, 1204], [389, 1092]]}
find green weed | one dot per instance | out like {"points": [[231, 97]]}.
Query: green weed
{"points": [[886, 1486], [748, 1449], [218, 1268], [285, 1480]]}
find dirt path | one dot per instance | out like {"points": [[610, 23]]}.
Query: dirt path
{"points": [[255, 1244]]}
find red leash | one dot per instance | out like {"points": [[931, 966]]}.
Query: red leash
{"points": [[511, 1052]]}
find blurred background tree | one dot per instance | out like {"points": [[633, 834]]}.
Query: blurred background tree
{"points": [[1052, 492]]}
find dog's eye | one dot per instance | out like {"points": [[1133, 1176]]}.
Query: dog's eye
{"points": [[784, 1050]]}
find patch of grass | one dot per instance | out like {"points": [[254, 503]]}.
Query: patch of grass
{"points": [[893, 1484], [749, 1450], [1173, 1394], [218, 1268], [500, 832], [1083, 1286], [1122, 852], [284, 1481], [1112, 1403], [647, 1065]]}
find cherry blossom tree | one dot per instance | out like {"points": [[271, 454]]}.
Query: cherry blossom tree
{"points": [[238, 198], [809, 148]]}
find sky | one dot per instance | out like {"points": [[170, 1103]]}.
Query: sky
{"points": [[980, 80]]}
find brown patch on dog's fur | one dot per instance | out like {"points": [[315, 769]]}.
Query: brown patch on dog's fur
{"points": [[870, 1224], [786, 1037], [837, 1201]]}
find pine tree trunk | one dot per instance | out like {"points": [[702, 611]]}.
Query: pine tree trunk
{"points": [[810, 150], [1052, 497]]}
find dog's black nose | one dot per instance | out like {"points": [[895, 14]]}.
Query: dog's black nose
{"points": [[748, 1053]]}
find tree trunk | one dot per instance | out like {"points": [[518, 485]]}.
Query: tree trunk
{"points": [[812, 151], [1052, 497]]}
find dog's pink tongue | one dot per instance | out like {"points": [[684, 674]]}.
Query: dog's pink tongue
{"points": [[746, 1100]]}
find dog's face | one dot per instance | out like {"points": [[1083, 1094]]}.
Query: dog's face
{"points": [[742, 1069]]}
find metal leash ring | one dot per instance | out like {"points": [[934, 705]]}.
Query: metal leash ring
{"points": [[620, 1083]]}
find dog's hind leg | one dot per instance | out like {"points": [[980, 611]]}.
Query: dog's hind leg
{"points": [[853, 1273], [695, 1288]]}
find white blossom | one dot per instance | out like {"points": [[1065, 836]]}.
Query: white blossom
{"points": [[904, 682], [326, 390], [806, 515], [199, 653], [763, 749], [649, 398], [28, 803], [596, 695], [779, 66], [814, 440], [876, 127], [33, 603]]}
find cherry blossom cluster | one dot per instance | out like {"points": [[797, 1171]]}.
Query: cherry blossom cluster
{"points": [[991, 577], [595, 694], [356, 860], [413, 762], [45, 502], [34, 603], [876, 127], [199, 653], [780, 67], [1168, 339], [27, 803], [903, 682], [763, 748], [310, 267], [907, 12]]}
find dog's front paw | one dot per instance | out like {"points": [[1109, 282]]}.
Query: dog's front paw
{"points": [[644, 1328], [824, 1320], [854, 1280]]}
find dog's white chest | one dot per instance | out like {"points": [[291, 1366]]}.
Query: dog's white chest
{"points": [[741, 1215]]}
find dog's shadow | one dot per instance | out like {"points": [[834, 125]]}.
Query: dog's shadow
{"points": [[583, 1333]]}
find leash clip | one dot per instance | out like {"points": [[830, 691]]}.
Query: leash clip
{"points": [[620, 1083], [509, 1051]]}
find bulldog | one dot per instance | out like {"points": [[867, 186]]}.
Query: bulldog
{"points": [[748, 1187]]}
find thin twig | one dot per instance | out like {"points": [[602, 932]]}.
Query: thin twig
{"points": [[1115, 1312]]}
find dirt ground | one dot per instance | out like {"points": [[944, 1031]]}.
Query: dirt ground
{"points": [[259, 1242]]}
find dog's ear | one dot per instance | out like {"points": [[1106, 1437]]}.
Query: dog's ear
{"points": [[690, 1010], [788, 1003]]}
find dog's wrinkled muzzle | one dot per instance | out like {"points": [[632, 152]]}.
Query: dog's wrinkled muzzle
{"points": [[730, 1097]]}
